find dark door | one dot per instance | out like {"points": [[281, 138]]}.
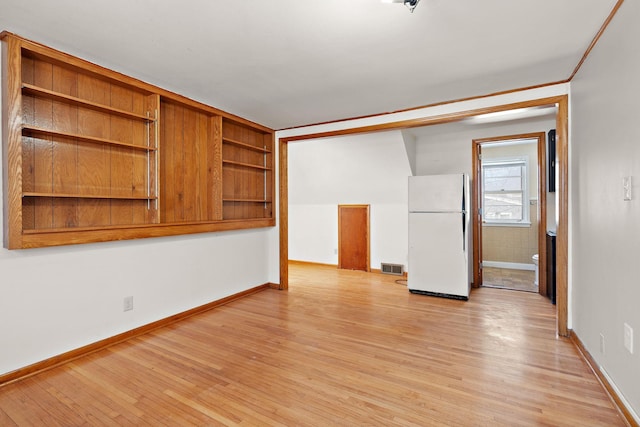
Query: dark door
{"points": [[353, 237]]}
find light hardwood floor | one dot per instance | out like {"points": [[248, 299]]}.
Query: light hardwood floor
{"points": [[340, 348]]}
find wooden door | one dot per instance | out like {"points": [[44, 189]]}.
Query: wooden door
{"points": [[476, 215], [542, 203], [353, 237]]}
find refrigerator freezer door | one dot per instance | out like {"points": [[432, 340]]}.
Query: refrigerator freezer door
{"points": [[436, 193], [437, 255]]}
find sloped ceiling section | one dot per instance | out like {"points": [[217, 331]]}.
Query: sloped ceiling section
{"points": [[287, 63]]}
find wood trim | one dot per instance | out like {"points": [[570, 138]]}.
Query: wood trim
{"points": [[59, 237], [476, 218], [283, 212], [595, 368], [542, 213], [12, 142], [542, 200], [311, 263], [596, 38], [562, 130], [427, 121], [435, 104], [562, 231], [68, 356]]}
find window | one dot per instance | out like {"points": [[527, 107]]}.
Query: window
{"points": [[504, 191]]}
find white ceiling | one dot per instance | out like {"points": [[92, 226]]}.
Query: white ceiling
{"points": [[286, 63]]}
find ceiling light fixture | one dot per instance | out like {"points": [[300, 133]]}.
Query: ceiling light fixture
{"points": [[411, 4]]}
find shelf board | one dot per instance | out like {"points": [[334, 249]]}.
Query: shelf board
{"points": [[28, 129], [155, 229], [45, 93], [245, 165], [85, 196], [245, 145], [246, 200]]}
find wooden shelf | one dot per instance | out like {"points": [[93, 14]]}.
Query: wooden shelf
{"points": [[86, 196], [246, 200], [245, 145], [32, 130], [175, 228], [245, 165], [29, 89], [93, 155]]}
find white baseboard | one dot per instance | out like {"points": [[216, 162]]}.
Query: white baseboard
{"points": [[509, 265]]}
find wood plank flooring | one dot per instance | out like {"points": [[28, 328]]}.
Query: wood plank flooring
{"points": [[340, 348]]}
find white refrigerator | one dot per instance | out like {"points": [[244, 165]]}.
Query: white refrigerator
{"points": [[439, 236]]}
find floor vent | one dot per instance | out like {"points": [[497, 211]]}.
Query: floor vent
{"points": [[397, 269]]}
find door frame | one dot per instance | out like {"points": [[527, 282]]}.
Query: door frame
{"points": [[476, 204], [562, 184], [368, 236]]}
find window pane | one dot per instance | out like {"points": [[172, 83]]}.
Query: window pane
{"points": [[503, 206], [503, 184], [503, 191], [502, 171]]}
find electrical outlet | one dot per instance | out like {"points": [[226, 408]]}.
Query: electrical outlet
{"points": [[626, 188], [335, 251], [628, 338], [601, 344], [128, 303]]}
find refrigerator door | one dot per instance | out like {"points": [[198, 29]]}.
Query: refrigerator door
{"points": [[436, 193], [438, 261]]}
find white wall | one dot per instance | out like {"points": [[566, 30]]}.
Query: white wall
{"points": [[54, 300], [447, 148], [367, 169], [606, 237]]}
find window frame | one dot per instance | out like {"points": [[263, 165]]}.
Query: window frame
{"points": [[523, 162]]}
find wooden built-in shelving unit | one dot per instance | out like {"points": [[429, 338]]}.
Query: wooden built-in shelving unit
{"points": [[247, 171], [92, 155]]}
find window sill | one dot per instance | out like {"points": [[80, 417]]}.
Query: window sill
{"points": [[522, 224]]}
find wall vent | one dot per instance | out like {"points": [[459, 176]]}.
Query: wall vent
{"points": [[397, 269]]}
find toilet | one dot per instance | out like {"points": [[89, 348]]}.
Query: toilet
{"points": [[535, 262]]}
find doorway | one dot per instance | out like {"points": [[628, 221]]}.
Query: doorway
{"points": [[510, 211], [353, 237], [562, 182]]}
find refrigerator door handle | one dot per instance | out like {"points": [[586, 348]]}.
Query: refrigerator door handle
{"points": [[464, 231]]}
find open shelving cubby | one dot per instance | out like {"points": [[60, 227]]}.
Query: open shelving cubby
{"points": [[88, 148], [247, 172]]}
